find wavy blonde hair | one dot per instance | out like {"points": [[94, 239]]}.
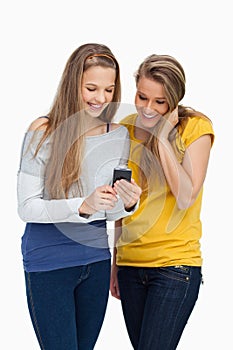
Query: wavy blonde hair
{"points": [[167, 71], [66, 124]]}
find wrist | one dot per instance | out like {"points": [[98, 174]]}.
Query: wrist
{"points": [[114, 255], [163, 137], [130, 208], [84, 210]]}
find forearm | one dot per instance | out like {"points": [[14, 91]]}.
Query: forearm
{"points": [[177, 178], [33, 208]]}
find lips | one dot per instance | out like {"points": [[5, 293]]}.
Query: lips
{"points": [[149, 116], [95, 107]]}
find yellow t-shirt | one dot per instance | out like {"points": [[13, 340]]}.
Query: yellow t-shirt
{"points": [[158, 233]]}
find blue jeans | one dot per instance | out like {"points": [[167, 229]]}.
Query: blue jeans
{"points": [[67, 306], [157, 303]]}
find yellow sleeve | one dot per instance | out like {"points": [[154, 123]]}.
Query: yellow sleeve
{"points": [[195, 128]]}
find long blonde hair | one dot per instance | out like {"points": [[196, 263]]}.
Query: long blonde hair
{"points": [[66, 118], [167, 71]]}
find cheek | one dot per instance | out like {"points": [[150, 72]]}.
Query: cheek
{"points": [[109, 97], [138, 102], [163, 109], [85, 95], [138, 105]]}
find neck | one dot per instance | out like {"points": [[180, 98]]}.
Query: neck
{"points": [[94, 126], [141, 132]]}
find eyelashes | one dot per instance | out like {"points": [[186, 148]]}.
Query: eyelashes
{"points": [[107, 90], [157, 101], [142, 98]]}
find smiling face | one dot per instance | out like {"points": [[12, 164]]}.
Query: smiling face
{"points": [[98, 86], [150, 101]]}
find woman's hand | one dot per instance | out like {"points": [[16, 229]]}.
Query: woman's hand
{"points": [[168, 123], [103, 198], [129, 192], [114, 287]]}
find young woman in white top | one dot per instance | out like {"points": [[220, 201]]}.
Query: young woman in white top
{"points": [[65, 196]]}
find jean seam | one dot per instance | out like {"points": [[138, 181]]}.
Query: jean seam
{"points": [[34, 312], [84, 275], [183, 300], [174, 323], [176, 277]]}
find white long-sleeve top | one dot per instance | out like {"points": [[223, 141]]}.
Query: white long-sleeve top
{"points": [[102, 154]]}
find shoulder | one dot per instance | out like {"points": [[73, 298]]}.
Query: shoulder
{"points": [[129, 120], [38, 124], [129, 123], [118, 127], [115, 126], [195, 127], [119, 131]]}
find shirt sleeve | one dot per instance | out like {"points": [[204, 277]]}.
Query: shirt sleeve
{"points": [[195, 128], [32, 207]]}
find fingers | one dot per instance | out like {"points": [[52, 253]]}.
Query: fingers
{"points": [[129, 192], [107, 196], [107, 189], [128, 188], [168, 123], [106, 201], [173, 117], [103, 198], [114, 289], [115, 292]]}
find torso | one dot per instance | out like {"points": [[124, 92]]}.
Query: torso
{"points": [[158, 233]]}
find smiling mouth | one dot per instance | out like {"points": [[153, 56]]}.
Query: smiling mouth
{"points": [[150, 116], [95, 107]]}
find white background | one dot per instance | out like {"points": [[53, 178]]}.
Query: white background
{"points": [[37, 37]]}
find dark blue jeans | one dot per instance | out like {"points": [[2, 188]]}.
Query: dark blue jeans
{"points": [[157, 303], [67, 306]]}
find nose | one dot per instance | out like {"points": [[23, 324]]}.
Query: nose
{"points": [[100, 96], [148, 107]]}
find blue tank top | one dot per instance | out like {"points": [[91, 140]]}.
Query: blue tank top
{"points": [[52, 246]]}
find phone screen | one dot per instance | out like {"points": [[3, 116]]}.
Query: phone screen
{"points": [[121, 173]]}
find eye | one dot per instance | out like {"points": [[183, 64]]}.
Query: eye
{"points": [[160, 102], [109, 90], [90, 89], [142, 97]]}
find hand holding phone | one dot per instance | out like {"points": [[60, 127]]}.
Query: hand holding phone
{"points": [[128, 191]]}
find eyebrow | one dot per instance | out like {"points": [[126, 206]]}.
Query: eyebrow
{"points": [[93, 84], [157, 98]]}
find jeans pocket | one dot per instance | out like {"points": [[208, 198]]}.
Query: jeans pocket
{"points": [[178, 272]]}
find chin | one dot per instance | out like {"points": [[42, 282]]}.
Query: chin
{"points": [[94, 114], [149, 124]]}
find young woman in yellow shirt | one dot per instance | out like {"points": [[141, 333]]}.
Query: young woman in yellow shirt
{"points": [[156, 270]]}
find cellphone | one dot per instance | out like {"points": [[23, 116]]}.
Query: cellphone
{"points": [[121, 173]]}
